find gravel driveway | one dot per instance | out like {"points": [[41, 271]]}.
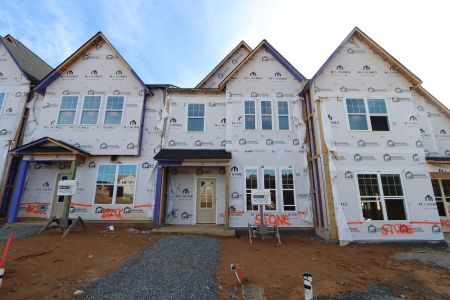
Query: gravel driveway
{"points": [[431, 258], [20, 231], [175, 267]]}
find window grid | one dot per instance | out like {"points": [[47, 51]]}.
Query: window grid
{"points": [[196, 117], [67, 110], [441, 189], [270, 184], [115, 185], [249, 115], [367, 114], [287, 186], [283, 115], [251, 183], [266, 115], [385, 204], [91, 110], [114, 110]]}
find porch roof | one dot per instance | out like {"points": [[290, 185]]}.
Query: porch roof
{"points": [[187, 154], [48, 146], [437, 159]]}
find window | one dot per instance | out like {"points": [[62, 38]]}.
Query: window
{"points": [[251, 183], [91, 107], [283, 115], [385, 204], [114, 110], [287, 186], [67, 110], [115, 184], [270, 184], [375, 120], [250, 115], [266, 114], [2, 100], [196, 117], [441, 188]]}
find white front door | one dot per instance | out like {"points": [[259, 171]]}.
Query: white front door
{"points": [[58, 201], [206, 201]]}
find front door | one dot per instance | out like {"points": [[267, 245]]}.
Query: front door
{"points": [[58, 201], [206, 201]]}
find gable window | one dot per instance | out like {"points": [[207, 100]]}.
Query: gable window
{"points": [[283, 115], [270, 184], [196, 117], [67, 110], [251, 183], [266, 114], [250, 115], [2, 100], [114, 110], [287, 186], [387, 203], [91, 107], [441, 188], [367, 114], [115, 184]]}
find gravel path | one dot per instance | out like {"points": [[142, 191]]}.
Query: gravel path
{"points": [[431, 258], [175, 267], [20, 232], [376, 292]]}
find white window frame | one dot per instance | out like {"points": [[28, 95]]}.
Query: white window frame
{"points": [[4, 100], [255, 115], [443, 197], [245, 186], [284, 115], [187, 117], [76, 110], [87, 110], [367, 114], [283, 189], [261, 115], [276, 187], [115, 184], [107, 110], [382, 197]]}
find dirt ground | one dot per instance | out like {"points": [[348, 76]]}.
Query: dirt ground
{"points": [[335, 269], [47, 267]]}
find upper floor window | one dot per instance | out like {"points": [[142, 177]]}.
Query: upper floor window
{"points": [[67, 110], [115, 184], [91, 108], [283, 115], [387, 203], [196, 117], [367, 114], [114, 109], [2, 100], [250, 115], [266, 114]]}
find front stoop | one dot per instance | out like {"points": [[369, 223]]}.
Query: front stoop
{"points": [[214, 230]]}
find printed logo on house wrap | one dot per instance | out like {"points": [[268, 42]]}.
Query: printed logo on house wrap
{"points": [[235, 172], [366, 70]]}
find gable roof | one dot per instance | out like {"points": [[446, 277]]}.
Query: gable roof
{"points": [[283, 61], [359, 34], [424, 93], [31, 65], [242, 44], [47, 145], [52, 76]]}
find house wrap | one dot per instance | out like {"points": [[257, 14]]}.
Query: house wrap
{"points": [[359, 152]]}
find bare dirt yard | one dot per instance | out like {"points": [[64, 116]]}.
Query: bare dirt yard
{"points": [[46, 267]]}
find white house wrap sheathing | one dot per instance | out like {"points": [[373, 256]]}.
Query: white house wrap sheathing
{"points": [[14, 89], [357, 72]]}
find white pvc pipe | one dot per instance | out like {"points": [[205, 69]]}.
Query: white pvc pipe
{"points": [[2, 271], [307, 284]]}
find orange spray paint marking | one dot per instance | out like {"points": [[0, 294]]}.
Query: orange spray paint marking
{"points": [[273, 219], [394, 229], [34, 209], [445, 223], [108, 213]]}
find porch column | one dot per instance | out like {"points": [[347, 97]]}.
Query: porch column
{"points": [[18, 191], [158, 193], [68, 199], [227, 197]]}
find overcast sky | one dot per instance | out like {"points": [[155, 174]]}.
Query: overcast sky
{"points": [[179, 42]]}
